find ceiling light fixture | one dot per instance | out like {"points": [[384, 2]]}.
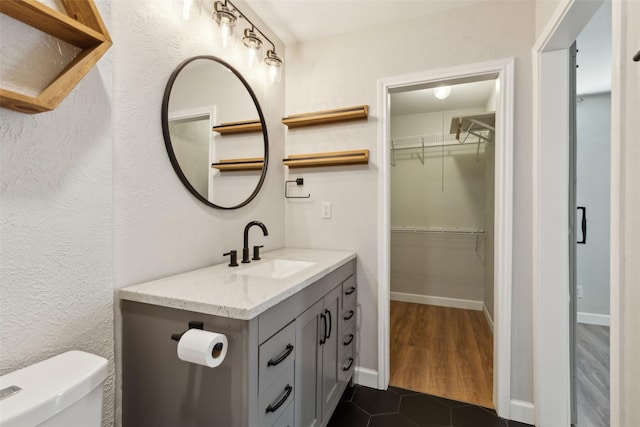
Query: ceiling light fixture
{"points": [[442, 92], [226, 15]]}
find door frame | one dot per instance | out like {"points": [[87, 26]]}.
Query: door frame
{"points": [[503, 221], [550, 243]]}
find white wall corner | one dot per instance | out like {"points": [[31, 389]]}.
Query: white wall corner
{"points": [[365, 377], [522, 411], [487, 316]]}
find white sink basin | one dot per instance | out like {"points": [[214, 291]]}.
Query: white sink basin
{"points": [[276, 268]]}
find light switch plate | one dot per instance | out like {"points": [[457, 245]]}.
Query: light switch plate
{"points": [[326, 210]]}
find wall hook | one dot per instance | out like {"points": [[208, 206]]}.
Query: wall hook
{"points": [[298, 181]]}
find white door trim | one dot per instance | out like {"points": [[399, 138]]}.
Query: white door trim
{"points": [[503, 216], [550, 243]]}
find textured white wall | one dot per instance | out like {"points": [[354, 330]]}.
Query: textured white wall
{"points": [[344, 71], [593, 160], [56, 291], [160, 228]]}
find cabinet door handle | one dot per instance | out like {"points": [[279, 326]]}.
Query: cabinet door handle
{"points": [[280, 359], [349, 315], [346, 368], [350, 290], [324, 331], [348, 340], [274, 406], [330, 324]]}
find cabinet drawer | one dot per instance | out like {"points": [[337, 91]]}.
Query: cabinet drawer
{"points": [[276, 355], [345, 369], [275, 399], [347, 342], [286, 419], [349, 294]]}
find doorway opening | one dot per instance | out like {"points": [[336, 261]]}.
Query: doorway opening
{"points": [[590, 197], [500, 74], [442, 234]]}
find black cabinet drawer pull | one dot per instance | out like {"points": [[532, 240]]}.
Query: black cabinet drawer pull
{"points": [[330, 324], [349, 315], [348, 340], [279, 403], [280, 359], [346, 368], [350, 290]]}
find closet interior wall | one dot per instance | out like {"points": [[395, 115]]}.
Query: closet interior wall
{"points": [[448, 188]]}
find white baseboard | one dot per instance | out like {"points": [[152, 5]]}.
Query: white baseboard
{"points": [[441, 301], [487, 316], [365, 377], [521, 411], [593, 319]]}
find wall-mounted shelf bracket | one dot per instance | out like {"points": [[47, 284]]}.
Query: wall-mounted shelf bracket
{"points": [[298, 181]]}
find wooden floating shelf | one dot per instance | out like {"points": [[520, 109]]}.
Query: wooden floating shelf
{"points": [[82, 27], [336, 158], [238, 127], [326, 117], [235, 165]]}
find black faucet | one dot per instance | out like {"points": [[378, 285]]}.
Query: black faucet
{"points": [[245, 248]]}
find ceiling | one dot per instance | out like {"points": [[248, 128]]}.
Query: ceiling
{"points": [[467, 95], [304, 20], [296, 21]]}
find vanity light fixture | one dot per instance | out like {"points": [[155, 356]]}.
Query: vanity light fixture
{"points": [[253, 45], [442, 92], [226, 15], [226, 20]]}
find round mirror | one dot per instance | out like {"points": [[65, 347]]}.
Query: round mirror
{"points": [[215, 132]]}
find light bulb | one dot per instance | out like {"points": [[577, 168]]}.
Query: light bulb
{"points": [[186, 9], [225, 32], [253, 45], [442, 92], [274, 64]]}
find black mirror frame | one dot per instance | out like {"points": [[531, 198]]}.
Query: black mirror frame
{"points": [[167, 136]]}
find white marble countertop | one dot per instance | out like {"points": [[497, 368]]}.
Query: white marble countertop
{"points": [[220, 290]]}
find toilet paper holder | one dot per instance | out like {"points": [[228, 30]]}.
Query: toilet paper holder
{"points": [[196, 325], [192, 325]]}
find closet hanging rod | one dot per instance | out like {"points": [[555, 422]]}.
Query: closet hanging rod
{"points": [[433, 230]]}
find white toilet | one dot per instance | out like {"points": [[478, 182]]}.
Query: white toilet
{"points": [[63, 391]]}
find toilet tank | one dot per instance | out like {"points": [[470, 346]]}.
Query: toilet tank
{"points": [[63, 391]]}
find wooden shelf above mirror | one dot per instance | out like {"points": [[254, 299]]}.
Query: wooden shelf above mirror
{"points": [[335, 158], [359, 112], [235, 165], [238, 127]]}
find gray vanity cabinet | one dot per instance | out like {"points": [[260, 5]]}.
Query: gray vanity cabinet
{"points": [[286, 367]]}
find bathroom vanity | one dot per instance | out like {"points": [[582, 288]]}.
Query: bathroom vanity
{"points": [[290, 321]]}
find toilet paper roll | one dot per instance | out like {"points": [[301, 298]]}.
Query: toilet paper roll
{"points": [[202, 347]]}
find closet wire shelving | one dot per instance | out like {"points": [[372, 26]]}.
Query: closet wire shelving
{"points": [[426, 142]]}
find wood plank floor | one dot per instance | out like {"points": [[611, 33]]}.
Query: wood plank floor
{"points": [[442, 351], [592, 358]]}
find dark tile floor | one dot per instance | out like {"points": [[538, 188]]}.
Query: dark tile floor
{"points": [[367, 407]]}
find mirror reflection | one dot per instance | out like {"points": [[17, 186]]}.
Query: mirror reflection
{"points": [[215, 132]]}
